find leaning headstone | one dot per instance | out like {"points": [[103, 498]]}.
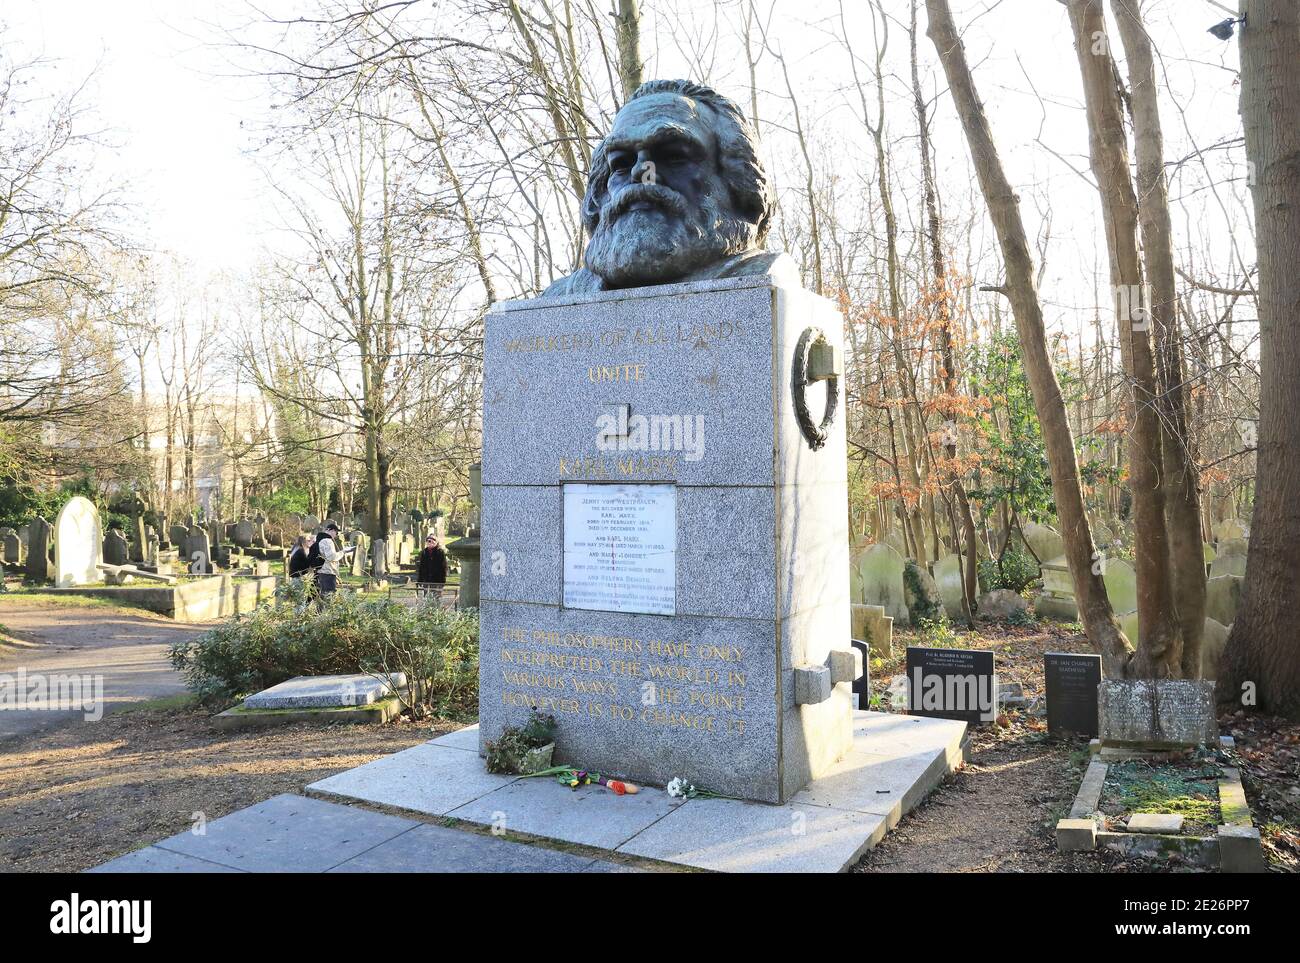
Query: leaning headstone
{"points": [[1071, 682], [1222, 598], [38, 549], [78, 544], [1157, 714], [116, 550], [177, 535], [952, 684], [310, 523], [1045, 542], [948, 579], [1121, 585], [880, 573]]}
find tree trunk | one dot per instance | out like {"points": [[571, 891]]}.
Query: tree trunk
{"points": [[1263, 650], [627, 29], [1160, 650], [1182, 496], [942, 298], [1021, 286]]}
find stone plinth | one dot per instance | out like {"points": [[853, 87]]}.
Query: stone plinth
{"points": [[1157, 714], [662, 621]]}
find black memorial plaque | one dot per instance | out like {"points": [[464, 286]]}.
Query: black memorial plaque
{"points": [[952, 684], [1072, 682]]}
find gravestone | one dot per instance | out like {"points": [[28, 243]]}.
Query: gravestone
{"points": [[78, 544], [38, 549], [643, 580], [138, 547], [1071, 682], [952, 684], [880, 573], [922, 595], [1045, 542], [177, 535], [1223, 597], [1057, 600], [13, 547], [116, 550], [870, 624], [1157, 714], [1213, 639], [197, 552], [948, 578], [243, 533], [862, 687], [1121, 585], [1228, 565]]}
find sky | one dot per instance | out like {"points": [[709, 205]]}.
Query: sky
{"points": [[183, 118], [158, 90]]}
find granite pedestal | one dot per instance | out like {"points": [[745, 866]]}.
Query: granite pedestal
{"points": [[664, 547]]}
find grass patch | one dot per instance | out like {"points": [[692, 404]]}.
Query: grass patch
{"points": [[1189, 790], [27, 599]]}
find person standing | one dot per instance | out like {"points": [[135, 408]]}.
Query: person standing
{"points": [[300, 557], [327, 575], [431, 572]]}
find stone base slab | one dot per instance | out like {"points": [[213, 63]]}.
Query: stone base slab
{"points": [[896, 760], [374, 714]]}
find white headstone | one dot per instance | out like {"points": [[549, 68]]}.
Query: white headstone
{"points": [[948, 577], [1121, 585], [880, 570], [78, 544], [1046, 542]]}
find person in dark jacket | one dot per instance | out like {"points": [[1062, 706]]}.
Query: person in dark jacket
{"points": [[432, 569], [300, 557]]}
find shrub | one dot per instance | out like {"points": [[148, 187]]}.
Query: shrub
{"points": [[298, 634], [1015, 571]]}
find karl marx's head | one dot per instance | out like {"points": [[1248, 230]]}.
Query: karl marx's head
{"points": [[675, 187]]}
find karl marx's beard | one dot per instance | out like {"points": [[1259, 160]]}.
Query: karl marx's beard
{"points": [[650, 234]]}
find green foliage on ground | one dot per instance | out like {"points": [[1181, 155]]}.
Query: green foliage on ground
{"points": [[1190, 792], [299, 633]]}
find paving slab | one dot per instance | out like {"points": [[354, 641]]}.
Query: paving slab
{"points": [[425, 779], [438, 849], [289, 834], [589, 815], [466, 738], [151, 859], [1155, 823], [733, 836]]}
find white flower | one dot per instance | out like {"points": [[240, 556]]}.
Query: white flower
{"points": [[677, 787]]}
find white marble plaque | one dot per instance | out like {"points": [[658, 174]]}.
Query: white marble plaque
{"points": [[620, 548]]}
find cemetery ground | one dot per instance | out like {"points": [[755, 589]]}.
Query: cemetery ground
{"points": [[78, 794], [998, 813]]}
